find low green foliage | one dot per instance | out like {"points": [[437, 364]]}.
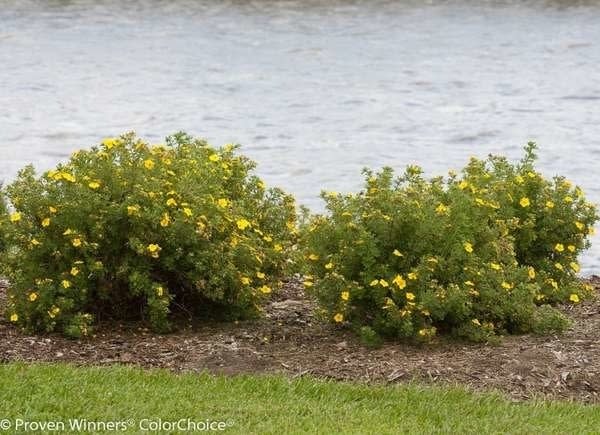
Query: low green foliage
{"points": [[128, 228], [471, 255], [272, 405]]}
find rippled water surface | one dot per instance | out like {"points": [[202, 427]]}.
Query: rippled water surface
{"points": [[313, 90]]}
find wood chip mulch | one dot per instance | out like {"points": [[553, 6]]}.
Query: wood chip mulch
{"points": [[290, 340]]}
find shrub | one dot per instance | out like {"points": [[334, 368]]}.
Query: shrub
{"points": [[127, 229], [468, 256], [553, 219]]}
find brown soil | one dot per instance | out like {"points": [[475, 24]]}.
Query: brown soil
{"points": [[290, 340]]}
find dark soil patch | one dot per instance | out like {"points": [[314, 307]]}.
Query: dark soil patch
{"points": [[290, 340]]}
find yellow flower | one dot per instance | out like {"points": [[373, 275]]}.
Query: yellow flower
{"points": [[109, 142], [154, 250], [574, 266], [580, 226], [76, 242], [468, 247], [149, 164], [242, 224], [549, 204], [519, 179], [524, 202], [214, 158], [68, 231], [165, 220], [46, 222], [559, 247], [66, 283], [171, 202], [470, 283], [94, 185], [410, 296], [400, 282], [463, 185], [507, 285], [574, 298], [495, 266], [222, 202], [571, 248], [52, 209], [568, 199], [412, 276], [260, 275], [133, 209], [345, 295], [383, 283], [52, 312], [265, 289], [558, 266], [313, 257], [397, 253], [14, 317], [553, 283], [338, 318], [531, 272], [68, 177], [374, 283], [278, 247], [159, 291], [476, 322], [33, 296], [329, 266], [15, 217], [308, 283], [35, 242], [74, 271], [245, 280], [441, 209]]}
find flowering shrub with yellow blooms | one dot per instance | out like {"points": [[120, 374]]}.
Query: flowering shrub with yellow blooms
{"points": [[127, 230], [471, 256], [551, 219]]}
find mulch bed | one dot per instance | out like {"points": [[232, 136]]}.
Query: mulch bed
{"points": [[290, 340]]}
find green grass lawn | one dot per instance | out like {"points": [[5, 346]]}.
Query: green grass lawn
{"points": [[269, 404]]}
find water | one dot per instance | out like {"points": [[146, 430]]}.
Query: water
{"points": [[313, 90]]}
